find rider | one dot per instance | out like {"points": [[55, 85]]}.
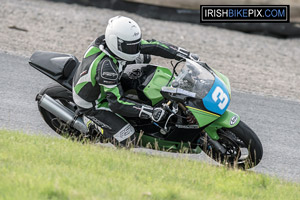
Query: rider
{"points": [[96, 85]]}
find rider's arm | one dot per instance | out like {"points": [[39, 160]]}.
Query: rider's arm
{"points": [[109, 79], [125, 107], [163, 49], [119, 104]]}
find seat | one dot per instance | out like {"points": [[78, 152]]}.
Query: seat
{"points": [[56, 64]]}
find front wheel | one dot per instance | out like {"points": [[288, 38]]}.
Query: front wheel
{"points": [[243, 147]]}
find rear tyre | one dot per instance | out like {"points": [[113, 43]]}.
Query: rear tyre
{"points": [[64, 97], [243, 147]]}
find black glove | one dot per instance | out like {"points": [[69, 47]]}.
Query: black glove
{"points": [[143, 58], [156, 114], [194, 57], [182, 53]]}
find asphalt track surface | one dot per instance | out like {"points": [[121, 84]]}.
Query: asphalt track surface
{"points": [[275, 121]]}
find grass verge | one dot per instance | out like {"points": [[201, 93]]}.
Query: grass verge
{"points": [[37, 167]]}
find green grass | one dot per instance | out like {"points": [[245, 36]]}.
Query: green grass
{"points": [[38, 167]]}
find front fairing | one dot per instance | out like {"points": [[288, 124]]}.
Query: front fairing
{"points": [[206, 86], [217, 100]]}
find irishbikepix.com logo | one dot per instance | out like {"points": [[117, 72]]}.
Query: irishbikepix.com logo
{"points": [[242, 13]]}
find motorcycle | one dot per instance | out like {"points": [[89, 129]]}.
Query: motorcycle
{"points": [[196, 100]]}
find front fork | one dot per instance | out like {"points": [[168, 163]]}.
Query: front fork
{"points": [[228, 120]]}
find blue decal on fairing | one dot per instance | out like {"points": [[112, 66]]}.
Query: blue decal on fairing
{"points": [[218, 99]]}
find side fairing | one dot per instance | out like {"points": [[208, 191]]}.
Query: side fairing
{"points": [[228, 120], [203, 117], [160, 78]]}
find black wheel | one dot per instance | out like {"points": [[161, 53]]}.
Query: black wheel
{"points": [[63, 96], [243, 147]]}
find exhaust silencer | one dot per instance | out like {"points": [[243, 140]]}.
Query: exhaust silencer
{"points": [[62, 112]]}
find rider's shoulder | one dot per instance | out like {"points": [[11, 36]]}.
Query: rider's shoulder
{"points": [[99, 40], [107, 62], [108, 72]]}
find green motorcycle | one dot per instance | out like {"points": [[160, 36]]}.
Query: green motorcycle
{"points": [[195, 96]]}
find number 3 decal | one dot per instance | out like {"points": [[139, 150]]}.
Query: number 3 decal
{"points": [[219, 94]]}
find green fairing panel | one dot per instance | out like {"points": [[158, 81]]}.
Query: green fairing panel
{"points": [[164, 145], [228, 120], [203, 117], [160, 78], [224, 79]]}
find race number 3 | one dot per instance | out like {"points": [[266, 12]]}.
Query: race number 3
{"points": [[219, 94]]}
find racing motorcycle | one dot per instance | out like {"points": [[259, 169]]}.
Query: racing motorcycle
{"points": [[195, 97]]}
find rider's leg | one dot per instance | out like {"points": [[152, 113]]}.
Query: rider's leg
{"points": [[115, 127]]}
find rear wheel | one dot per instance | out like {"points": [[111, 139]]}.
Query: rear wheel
{"points": [[64, 97], [243, 147]]}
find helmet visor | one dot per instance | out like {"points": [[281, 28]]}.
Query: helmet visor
{"points": [[129, 47]]}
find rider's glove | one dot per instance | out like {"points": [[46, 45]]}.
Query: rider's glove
{"points": [[156, 114], [182, 53], [143, 58], [194, 57]]}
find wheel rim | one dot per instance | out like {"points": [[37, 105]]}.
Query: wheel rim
{"points": [[236, 151], [241, 155]]}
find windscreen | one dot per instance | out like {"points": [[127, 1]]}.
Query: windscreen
{"points": [[194, 77]]}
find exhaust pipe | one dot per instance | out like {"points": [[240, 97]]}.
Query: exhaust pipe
{"points": [[61, 112]]}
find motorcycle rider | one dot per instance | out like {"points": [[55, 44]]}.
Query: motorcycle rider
{"points": [[96, 85]]}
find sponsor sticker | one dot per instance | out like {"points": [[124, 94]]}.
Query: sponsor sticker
{"points": [[187, 126], [124, 133], [233, 120]]}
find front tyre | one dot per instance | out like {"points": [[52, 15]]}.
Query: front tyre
{"points": [[243, 147]]}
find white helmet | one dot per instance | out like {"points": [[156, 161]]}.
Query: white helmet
{"points": [[123, 37]]}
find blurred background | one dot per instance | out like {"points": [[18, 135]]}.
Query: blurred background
{"points": [[260, 58], [189, 10]]}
